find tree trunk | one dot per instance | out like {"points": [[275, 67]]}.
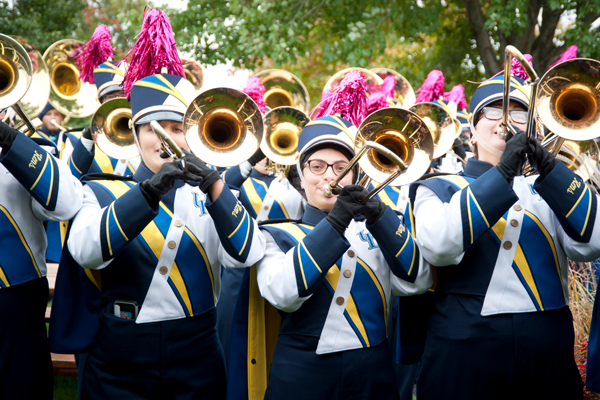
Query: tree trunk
{"points": [[482, 38]]}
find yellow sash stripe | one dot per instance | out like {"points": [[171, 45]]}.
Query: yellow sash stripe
{"points": [[301, 266], [175, 274], [3, 278], [457, 180], [253, 196], [521, 262], [118, 225], [246, 216], [297, 234], [175, 91], [287, 215], [90, 274], [71, 162], [470, 194], [385, 198], [41, 173], [353, 312], [117, 189], [103, 161], [378, 285], [12, 221], [551, 243]]}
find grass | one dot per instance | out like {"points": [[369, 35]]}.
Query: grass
{"points": [[65, 388]]}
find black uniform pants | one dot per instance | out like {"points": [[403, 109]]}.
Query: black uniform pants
{"points": [[177, 359], [25, 363], [506, 356]]}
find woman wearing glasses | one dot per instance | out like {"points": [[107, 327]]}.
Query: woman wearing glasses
{"points": [[499, 323], [331, 275]]}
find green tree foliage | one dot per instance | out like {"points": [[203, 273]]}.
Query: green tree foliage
{"points": [[41, 22], [314, 38]]}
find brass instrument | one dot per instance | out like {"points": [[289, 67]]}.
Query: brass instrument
{"points": [[194, 72], [34, 101], [404, 95], [284, 89], [398, 148], [581, 157], [168, 144], [223, 127], [68, 94], [373, 80], [444, 128], [568, 99], [282, 129], [111, 129], [16, 72]]}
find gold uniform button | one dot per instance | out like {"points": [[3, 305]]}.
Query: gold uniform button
{"points": [[270, 195], [514, 222], [118, 173], [347, 273], [403, 197], [518, 208], [339, 301], [507, 245], [172, 244], [350, 253], [178, 223], [266, 207], [163, 270]]}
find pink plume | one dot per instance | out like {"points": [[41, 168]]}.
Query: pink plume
{"points": [[389, 86], [433, 87], [517, 69], [154, 49], [256, 91], [93, 53], [457, 95], [319, 110], [349, 99], [569, 54], [377, 101]]}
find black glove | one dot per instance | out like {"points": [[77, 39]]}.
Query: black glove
{"points": [[373, 210], [200, 172], [256, 157], [346, 207], [162, 182], [513, 156], [7, 136], [542, 159], [87, 133]]}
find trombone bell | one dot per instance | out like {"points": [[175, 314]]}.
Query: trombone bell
{"points": [[15, 71], [282, 129], [223, 127], [284, 89], [568, 99], [111, 132]]}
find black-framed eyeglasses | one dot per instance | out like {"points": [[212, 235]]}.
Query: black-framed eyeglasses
{"points": [[318, 167], [495, 114]]}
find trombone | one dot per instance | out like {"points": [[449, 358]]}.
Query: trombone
{"points": [[16, 71], [223, 127], [284, 89], [566, 99], [397, 147]]}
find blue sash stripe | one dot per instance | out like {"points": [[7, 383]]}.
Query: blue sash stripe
{"points": [[17, 263], [368, 299], [543, 265], [278, 211]]}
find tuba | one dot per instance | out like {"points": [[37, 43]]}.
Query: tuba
{"points": [[394, 147], [282, 129], [68, 94], [111, 129], [284, 89], [223, 126]]}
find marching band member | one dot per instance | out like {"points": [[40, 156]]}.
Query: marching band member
{"points": [[332, 287], [49, 130], [36, 187], [159, 244], [499, 323]]}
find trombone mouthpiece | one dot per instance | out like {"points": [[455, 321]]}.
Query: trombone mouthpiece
{"points": [[327, 190]]}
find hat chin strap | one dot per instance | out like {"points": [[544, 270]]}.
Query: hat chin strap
{"points": [[488, 147], [309, 198]]}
